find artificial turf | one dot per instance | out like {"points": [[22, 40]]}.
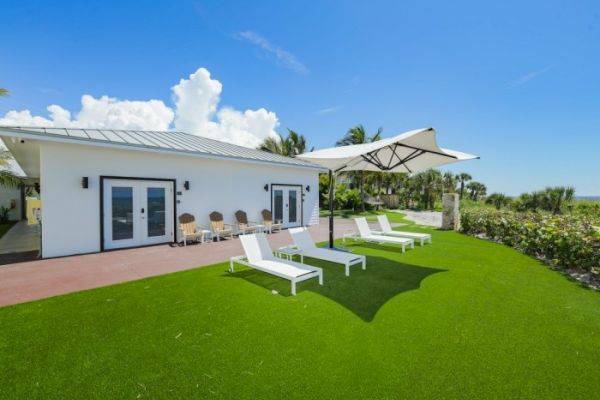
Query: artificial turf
{"points": [[462, 318]]}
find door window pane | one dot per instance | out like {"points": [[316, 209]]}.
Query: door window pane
{"points": [[278, 204], [156, 211], [122, 213], [293, 205]]}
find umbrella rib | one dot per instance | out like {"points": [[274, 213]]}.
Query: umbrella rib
{"points": [[427, 151]]}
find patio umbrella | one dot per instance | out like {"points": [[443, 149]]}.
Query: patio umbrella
{"points": [[409, 152]]}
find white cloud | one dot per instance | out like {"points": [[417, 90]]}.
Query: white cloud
{"points": [[284, 57], [528, 77], [329, 110], [196, 111]]}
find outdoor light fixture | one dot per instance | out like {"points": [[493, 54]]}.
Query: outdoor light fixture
{"points": [[186, 185], [308, 188], [266, 187], [85, 182]]}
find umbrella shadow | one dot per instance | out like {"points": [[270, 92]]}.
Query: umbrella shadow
{"points": [[363, 293]]}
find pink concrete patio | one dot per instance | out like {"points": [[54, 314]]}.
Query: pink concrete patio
{"points": [[39, 279]]}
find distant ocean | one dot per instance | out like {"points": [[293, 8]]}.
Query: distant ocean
{"points": [[597, 198]]}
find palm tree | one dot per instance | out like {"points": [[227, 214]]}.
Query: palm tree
{"points": [[463, 177], [358, 135], [290, 146], [449, 182], [477, 190], [7, 177]]}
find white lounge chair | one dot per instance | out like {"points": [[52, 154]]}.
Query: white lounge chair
{"points": [[260, 257], [386, 229], [303, 242], [365, 234]]}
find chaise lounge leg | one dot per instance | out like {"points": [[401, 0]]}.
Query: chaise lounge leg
{"points": [[364, 263], [321, 278], [293, 287], [347, 269]]}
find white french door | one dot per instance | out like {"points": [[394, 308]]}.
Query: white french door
{"points": [[287, 205], [137, 212]]}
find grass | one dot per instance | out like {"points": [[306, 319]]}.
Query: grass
{"points": [[462, 318], [4, 227]]}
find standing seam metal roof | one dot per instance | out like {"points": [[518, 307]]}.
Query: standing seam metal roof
{"points": [[178, 142]]}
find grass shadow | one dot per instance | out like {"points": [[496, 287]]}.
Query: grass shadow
{"points": [[363, 293]]}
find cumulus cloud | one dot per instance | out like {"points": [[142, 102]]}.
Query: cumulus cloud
{"points": [[196, 111], [284, 57]]}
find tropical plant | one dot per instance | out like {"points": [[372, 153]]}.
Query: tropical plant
{"points": [[4, 214], [358, 135], [498, 200], [290, 146], [477, 190], [463, 178], [449, 182], [7, 177], [566, 241], [551, 199]]}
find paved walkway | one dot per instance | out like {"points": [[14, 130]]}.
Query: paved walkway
{"points": [[429, 218], [20, 238], [39, 279]]}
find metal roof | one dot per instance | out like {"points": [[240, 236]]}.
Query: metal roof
{"points": [[174, 141]]}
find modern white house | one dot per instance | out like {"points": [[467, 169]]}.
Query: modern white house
{"points": [[108, 189]]}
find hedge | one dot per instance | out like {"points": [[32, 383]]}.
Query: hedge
{"points": [[566, 241]]}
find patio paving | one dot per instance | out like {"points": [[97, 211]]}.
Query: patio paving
{"points": [[39, 279], [20, 238]]}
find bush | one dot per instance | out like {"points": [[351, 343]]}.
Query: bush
{"points": [[4, 214], [566, 241]]}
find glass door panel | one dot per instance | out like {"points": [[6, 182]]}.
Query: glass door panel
{"points": [[156, 197], [122, 212], [278, 205], [292, 206]]}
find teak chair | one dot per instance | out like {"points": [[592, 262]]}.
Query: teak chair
{"points": [[219, 228], [243, 225], [268, 222], [188, 229]]}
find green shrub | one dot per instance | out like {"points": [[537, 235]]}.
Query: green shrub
{"points": [[567, 241]]}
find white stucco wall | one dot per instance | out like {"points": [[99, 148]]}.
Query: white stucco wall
{"points": [[71, 214]]}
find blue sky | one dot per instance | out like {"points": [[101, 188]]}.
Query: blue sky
{"points": [[514, 82]]}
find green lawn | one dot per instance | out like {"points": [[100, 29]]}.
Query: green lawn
{"points": [[5, 228], [462, 318]]}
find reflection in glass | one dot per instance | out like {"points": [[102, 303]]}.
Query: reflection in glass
{"points": [[122, 213], [293, 204], [156, 212], [278, 204]]}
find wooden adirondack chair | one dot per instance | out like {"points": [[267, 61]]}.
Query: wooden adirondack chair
{"points": [[268, 222], [188, 228], [243, 225], [219, 228]]}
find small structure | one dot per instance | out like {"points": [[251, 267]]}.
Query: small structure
{"points": [[450, 213], [106, 189]]}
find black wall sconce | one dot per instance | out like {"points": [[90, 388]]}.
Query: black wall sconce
{"points": [[308, 188], [266, 187], [85, 182], [186, 185]]}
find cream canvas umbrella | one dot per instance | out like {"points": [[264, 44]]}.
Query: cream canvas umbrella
{"points": [[409, 152]]}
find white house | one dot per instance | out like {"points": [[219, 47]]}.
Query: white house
{"points": [[108, 189]]}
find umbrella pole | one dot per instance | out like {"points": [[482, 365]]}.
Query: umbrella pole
{"points": [[331, 188]]}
